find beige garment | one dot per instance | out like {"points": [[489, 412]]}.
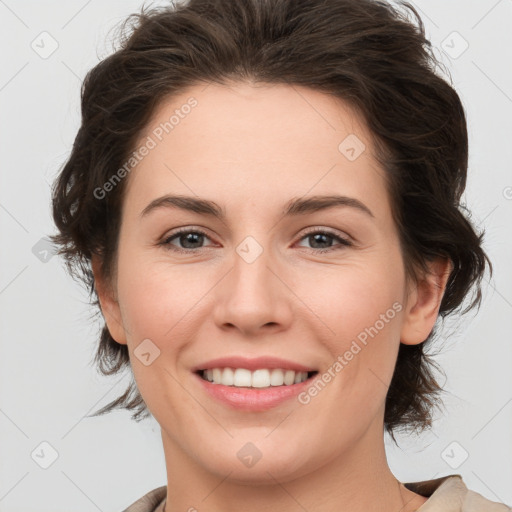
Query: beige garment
{"points": [[446, 494], [450, 494]]}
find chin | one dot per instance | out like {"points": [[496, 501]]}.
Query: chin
{"points": [[261, 462]]}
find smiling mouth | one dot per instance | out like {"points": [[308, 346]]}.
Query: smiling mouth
{"points": [[261, 378]]}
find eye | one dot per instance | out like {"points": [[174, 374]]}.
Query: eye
{"points": [[190, 239], [321, 236]]}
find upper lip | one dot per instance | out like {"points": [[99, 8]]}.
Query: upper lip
{"points": [[252, 364]]}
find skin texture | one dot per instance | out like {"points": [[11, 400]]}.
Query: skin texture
{"points": [[251, 149]]}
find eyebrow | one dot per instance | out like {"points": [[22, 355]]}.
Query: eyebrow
{"points": [[297, 206]]}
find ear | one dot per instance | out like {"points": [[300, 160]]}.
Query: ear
{"points": [[108, 302], [423, 302]]}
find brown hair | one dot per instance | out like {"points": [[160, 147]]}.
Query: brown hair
{"points": [[364, 52]]}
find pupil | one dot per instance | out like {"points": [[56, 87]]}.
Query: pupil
{"points": [[188, 237], [318, 236]]}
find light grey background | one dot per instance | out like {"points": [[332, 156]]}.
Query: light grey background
{"points": [[47, 382]]}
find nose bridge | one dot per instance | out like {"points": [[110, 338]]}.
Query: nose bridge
{"points": [[251, 280], [251, 295]]}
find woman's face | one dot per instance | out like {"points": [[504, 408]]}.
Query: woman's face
{"points": [[258, 283]]}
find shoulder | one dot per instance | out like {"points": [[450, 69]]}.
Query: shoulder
{"points": [[149, 502], [450, 493]]}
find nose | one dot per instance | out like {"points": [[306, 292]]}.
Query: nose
{"points": [[254, 298]]}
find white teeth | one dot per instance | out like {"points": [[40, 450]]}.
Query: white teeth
{"points": [[276, 378], [228, 377], [289, 377], [217, 375], [262, 378], [242, 378]]}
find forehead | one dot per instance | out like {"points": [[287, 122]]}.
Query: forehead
{"points": [[265, 142], [253, 114]]}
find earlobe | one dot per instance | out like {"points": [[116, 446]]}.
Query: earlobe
{"points": [[424, 301], [108, 302]]}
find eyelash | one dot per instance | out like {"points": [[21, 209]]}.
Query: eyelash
{"points": [[343, 241]]}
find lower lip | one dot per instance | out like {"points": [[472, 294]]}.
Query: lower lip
{"points": [[253, 399]]}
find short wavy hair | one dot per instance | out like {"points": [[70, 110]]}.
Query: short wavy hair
{"points": [[369, 54]]}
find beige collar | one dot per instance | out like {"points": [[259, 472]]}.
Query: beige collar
{"points": [[450, 494]]}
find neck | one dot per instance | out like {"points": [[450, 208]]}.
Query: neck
{"points": [[358, 479]]}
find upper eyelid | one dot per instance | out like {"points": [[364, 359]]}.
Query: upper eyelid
{"points": [[185, 230]]}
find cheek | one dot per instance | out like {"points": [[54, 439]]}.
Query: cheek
{"points": [[157, 301], [349, 299], [156, 295], [361, 305]]}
